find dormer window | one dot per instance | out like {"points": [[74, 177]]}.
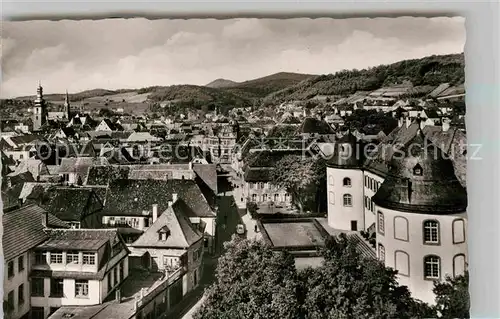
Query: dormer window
{"points": [[163, 233], [417, 170]]}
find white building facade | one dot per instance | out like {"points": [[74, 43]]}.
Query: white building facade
{"points": [[416, 208]]}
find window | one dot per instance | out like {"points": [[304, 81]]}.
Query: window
{"points": [[431, 232], [117, 280], [88, 258], [56, 258], [381, 252], [81, 288], [11, 269], [52, 310], [20, 295], [381, 223], [254, 197], [331, 198], [56, 287], [37, 287], [72, 257], [122, 270], [459, 265], [10, 300], [366, 181], [37, 312], [40, 258], [432, 267], [347, 182], [110, 282], [264, 197], [347, 200], [417, 170]]}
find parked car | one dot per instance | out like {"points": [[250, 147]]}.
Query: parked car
{"points": [[240, 229]]}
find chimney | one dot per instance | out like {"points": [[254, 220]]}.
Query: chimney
{"points": [[400, 121], [174, 197], [155, 212], [191, 165], [446, 125], [170, 203], [408, 122], [45, 219], [118, 295]]}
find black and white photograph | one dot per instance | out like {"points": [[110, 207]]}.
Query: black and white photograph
{"points": [[239, 168]]}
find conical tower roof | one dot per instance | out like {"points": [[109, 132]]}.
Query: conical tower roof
{"points": [[348, 153], [421, 179]]}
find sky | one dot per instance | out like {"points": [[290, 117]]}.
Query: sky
{"points": [[134, 53]]}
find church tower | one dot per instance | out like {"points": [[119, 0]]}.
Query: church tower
{"points": [[39, 111], [67, 107]]}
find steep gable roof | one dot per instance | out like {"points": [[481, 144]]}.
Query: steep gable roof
{"points": [[23, 229], [71, 203], [182, 233]]}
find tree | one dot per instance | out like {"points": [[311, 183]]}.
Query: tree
{"points": [[452, 297], [252, 208], [349, 285], [302, 177], [252, 281]]}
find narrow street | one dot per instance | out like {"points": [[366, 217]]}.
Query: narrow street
{"points": [[228, 218]]}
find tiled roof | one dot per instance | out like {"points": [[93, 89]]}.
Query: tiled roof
{"points": [[20, 178], [102, 175], [435, 190], [23, 229], [71, 203], [452, 142], [80, 165], [312, 125], [182, 233], [208, 173], [132, 197], [78, 239]]}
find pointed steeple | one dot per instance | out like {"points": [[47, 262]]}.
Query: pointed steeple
{"points": [[67, 106]]}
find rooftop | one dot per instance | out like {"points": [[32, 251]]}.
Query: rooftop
{"points": [[307, 233], [23, 229], [132, 197], [182, 233], [78, 239]]}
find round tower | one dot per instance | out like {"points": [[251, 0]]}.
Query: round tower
{"points": [[345, 185], [421, 217]]}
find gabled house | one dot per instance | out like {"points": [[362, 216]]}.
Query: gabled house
{"points": [[130, 204], [108, 125], [173, 242], [23, 231], [78, 207], [75, 170], [76, 267]]}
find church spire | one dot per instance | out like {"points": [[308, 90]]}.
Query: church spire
{"points": [[39, 111], [67, 106]]}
